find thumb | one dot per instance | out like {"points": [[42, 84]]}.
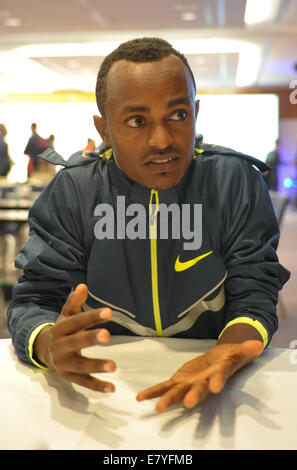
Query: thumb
{"points": [[75, 300], [252, 348], [242, 353]]}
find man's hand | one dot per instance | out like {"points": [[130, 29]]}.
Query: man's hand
{"points": [[206, 373], [59, 346]]}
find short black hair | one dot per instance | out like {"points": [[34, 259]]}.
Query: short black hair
{"points": [[136, 50]]}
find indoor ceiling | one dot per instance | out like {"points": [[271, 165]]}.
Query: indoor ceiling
{"points": [[59, 44]]}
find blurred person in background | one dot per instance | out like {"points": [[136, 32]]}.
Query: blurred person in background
{"points": [[273, 160], [50, 141], [5, 161], [91, 147], [34, 147], [8, 230]]}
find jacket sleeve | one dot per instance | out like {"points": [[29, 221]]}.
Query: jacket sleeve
{"points": [[53, 262], [249, 243]]}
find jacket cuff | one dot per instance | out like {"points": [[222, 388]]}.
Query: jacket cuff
{"points": [[249, 321], [31, 340]]}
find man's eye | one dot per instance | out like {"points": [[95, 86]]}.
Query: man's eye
{"points": [[136, 121], [179, 115]]}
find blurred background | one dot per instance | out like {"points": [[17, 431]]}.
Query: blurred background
{"points": [[243, 54]]}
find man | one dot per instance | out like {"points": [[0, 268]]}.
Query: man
{"points": [[5, 162], [33, 148], [273, 160], [221, 285]]}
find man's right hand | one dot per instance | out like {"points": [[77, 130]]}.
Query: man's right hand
{"points": [[59, 346]]}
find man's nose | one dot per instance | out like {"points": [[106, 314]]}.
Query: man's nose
{"points": [[160, 138]]}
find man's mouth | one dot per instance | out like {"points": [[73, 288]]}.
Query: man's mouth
{"points": [[163, 163]]}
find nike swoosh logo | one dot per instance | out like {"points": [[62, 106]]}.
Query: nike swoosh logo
{"points": [[182, 266]]}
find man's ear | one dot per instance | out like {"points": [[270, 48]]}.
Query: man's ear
{"points": [[101, 126], [197, 103]]}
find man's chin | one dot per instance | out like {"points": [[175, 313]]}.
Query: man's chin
{"points": [[162, 182]]}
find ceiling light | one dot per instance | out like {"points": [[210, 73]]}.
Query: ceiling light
{"points": [[207, 46], [260, 11], [96, 49], [101, 49], [248, 64], [188, 16], [34, 76], [12, 22], [249, 55]]}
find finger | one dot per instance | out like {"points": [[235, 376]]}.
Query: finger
{"points": [[246, 349], [84, 365], [172, 396], [252, 348], [196, 394], [75, 300], [83, 339], [90, 382], [217, 382], [82, 320], [155, 391], [239, 355]]}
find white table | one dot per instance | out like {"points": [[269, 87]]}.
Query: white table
{"points": [[16, 203], [256, 410], [14, 215]]}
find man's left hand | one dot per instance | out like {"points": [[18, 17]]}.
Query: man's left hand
{"points": [[203, 374]]}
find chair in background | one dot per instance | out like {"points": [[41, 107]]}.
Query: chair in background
{"points": [[280, 203]]}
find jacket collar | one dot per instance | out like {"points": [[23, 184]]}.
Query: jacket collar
{"points": [[142, 194]]}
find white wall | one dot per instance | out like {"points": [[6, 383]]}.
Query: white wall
{"points": [[245, 122]]}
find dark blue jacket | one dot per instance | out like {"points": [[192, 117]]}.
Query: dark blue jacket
{"points": [[236, 281]]}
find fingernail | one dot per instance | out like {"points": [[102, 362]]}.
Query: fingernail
{"points": [[101, 336], [108, 367], [105, 314]]}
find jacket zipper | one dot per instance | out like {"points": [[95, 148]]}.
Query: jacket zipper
{"points": [[153, 211]]}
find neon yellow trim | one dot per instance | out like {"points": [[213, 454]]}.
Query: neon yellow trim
{"points": [[199, 150], [115, 159], [249, 321], [31, 343], [107, 154], [182, 266], [154, 265]]}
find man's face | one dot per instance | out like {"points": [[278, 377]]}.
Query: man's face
{"points": [[150, 116]]}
